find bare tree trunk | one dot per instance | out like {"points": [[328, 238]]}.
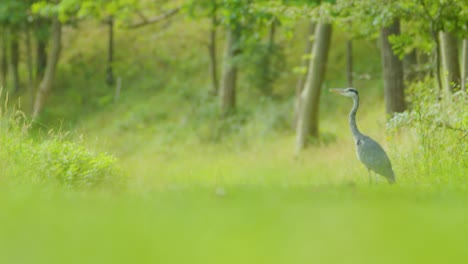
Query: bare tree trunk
{"points": [[304, 65], [212, 47], [229, 79], [41, 58], [410, 64], [437, 60], [30, 67], [49, 75], [4, 62], [465, 65], [392, 68], [424, 65], [449, 52], [14, 56], [349, 62], [308, 123], [42, 35], [110, 55], [267, 88], [349, 58]]}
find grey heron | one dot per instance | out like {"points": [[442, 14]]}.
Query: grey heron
{"points": [[369, 152]]}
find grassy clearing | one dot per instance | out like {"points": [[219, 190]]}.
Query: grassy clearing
{"points": [[200, 190], [250, 224], [244, 199]]}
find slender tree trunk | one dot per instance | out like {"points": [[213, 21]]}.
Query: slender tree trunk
{"points": [[4, 60], [449, 51], [349, 62], [423, 67], [41, 58], [410, 64], [110, 53], [212, 47], [30, 67], [42, 35], [49, 75], [305, 61], [349, 58], [229, 79], [268, 84], [465, 65], [308, 123], [392, 68], [14, 52], [437, 58]]}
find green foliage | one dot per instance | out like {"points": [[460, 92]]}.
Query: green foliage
{"points": [[14, 12], [68, 10], [53, 160], [263, 63], [74, 166], [438, 124]]}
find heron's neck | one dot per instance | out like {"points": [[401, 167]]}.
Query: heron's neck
{"points": [[352, 119]]}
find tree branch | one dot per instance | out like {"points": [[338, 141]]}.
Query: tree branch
{"points": [[146, 21]]}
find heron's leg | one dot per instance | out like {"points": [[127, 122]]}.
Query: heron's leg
{"points": [[370, 177]]}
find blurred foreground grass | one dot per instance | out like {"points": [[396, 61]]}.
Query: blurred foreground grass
{"points": [[237, 224]]}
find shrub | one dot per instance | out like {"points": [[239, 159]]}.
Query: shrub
{"points": [[52, 160], [72, 165], [438, 125]]}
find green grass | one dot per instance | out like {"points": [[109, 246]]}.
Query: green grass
{"points": [[245, 199], [201, 190], [247, 224]]}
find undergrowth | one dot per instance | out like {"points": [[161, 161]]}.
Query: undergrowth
{"points": [[52, 161], [437, 132]]}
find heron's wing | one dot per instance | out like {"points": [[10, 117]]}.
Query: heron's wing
{"points": [[374, 157]]}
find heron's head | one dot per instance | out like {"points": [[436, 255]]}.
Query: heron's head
{"points": [[348, 92]]}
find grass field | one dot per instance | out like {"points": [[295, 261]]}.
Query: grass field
{"points": [[200, 190], [242, 202], [342, 223]]}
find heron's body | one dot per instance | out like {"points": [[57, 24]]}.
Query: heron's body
{"points": [[372, 155], [369, 152]]}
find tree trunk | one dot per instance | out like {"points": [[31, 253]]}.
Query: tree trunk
{"points": [[110, 55], [14, 56], [410, 64], [212, 47], [229, 79], [41, 58], [49, 75], [305, 61], [4, 62], [308, 123], [30, 67], [392, 68], [437, 59], [449, 52], [349, 57], [267, 83], [465, 65], [349, 62]]}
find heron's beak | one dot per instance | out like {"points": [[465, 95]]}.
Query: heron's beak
{"points": [[337, 91]]}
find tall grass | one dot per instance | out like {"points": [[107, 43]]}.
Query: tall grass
{"points": [[430, 139], [51, 161]]}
